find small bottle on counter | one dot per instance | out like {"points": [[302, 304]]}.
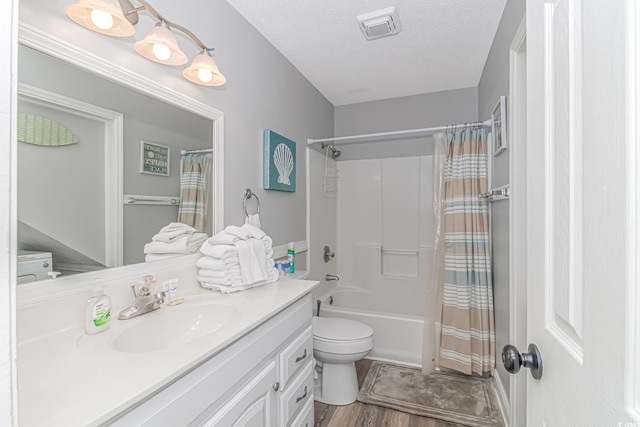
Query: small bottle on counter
{"points": [[98, 312], [291, 253]]}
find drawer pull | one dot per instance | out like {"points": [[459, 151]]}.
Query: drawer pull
{"points": [[276, 386], [298, 399], [302, 357]]}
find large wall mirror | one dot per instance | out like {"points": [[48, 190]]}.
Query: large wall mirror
{"points": [[75, 187]]}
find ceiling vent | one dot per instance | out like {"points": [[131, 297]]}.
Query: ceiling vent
{"points": [[381, 23]]}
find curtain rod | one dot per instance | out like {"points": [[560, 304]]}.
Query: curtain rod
{"points": [[486, 123], [200, 150]]}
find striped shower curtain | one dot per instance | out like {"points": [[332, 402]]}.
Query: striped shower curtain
{"points": [[195, 174], [468, 341]]}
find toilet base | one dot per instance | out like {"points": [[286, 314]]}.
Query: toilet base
{"points": [[339, 384]]}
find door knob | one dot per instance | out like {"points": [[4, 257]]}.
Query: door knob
{"points": [[513, 360]]}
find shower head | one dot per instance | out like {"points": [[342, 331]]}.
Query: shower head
{"points": [[334, 153]]}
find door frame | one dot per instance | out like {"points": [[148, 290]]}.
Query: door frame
{"points": [[517, 128]]}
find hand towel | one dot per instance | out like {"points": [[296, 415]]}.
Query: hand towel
{"points": [[252, 260], [237, 231], [253, 219], [254, 231], [218, 263], [219, 251]]}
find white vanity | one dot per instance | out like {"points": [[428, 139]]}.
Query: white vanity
{"points": [[216, 360]]}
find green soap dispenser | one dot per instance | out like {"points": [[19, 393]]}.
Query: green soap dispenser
{"points": [[98, 312]]}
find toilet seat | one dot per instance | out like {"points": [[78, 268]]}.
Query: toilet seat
{"points": [[341, 336], [339, 330]]}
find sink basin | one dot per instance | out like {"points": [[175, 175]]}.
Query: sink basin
{"points": [[173, 326]]}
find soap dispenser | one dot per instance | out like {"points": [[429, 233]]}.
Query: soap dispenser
{"points": [[98, 312]]}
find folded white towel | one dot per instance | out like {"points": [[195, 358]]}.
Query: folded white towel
{"points": [[159, 257], [218, 263], [237, 231], [177, 226], [182, 245], [225, 287], [223, 238], [231, 276], [253, 219], [254, 231], [219, 251], [223, 281]]}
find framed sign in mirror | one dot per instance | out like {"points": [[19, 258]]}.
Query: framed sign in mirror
{"points": [[155, 158]]}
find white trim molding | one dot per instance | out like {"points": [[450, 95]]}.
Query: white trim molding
{"points": [[515, 412], [632, 350]]}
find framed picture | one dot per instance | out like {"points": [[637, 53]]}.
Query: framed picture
{"points": [[279, 162], [499, 126], [155, 159]]}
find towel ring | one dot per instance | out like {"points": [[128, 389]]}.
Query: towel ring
{"points": [[247, 195]]}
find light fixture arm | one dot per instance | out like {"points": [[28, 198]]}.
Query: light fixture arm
{"points": [[146, 6]]}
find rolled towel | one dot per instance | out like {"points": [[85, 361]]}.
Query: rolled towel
{"points": [[254, 231], [237, 231], [223, 238], [219, 251], [217, 263]]}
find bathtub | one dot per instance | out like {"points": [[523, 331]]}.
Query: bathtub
{"points": [[396, 337]]}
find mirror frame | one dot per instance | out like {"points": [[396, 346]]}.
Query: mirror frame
{"points": [[34, 38]]}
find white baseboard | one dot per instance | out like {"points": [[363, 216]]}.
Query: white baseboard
{"points": [[505, 408]]}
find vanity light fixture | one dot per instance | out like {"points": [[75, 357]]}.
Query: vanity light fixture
{"points": [[117, 18]]}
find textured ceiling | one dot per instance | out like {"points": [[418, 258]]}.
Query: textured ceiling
{"points": [[443, 44]]}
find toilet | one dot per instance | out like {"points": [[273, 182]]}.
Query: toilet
{"points": [[337, 345]]}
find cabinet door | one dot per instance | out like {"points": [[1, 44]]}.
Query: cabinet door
{"points": [[253, 406]]}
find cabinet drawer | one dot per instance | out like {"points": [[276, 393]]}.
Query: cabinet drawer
{"points": [[305, 417], [297, 394], [295, 356]]}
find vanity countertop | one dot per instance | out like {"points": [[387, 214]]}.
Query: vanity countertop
{"points": [[70, 378]]}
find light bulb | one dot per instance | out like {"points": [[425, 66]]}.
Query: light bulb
{"points": [[162, 52], [205, 75], [102, 19]]}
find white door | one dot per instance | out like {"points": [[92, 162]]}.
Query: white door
{"points": [[579, 238]]}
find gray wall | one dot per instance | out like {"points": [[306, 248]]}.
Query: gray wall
{"points": [[493, 84], [144, 118], [51, 197], [409, 112]]}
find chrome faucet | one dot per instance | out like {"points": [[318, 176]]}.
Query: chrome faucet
{"points": [[144, 302], [330, 277]]}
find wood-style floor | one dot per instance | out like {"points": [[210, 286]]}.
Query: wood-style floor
{"points": [[362, 415]]}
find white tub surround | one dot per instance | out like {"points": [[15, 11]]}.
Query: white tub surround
{"points": [[69, 378]]}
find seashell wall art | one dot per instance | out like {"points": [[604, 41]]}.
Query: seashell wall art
{"points": [[279, 162]]}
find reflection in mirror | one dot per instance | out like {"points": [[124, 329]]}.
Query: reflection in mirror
{"points": [[70, 198]]}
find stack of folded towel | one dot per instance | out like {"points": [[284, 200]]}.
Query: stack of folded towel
{"points": [[175, 239], [236, 259]]}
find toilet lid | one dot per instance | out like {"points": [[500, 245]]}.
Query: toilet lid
{"points": [[335, 329]]}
